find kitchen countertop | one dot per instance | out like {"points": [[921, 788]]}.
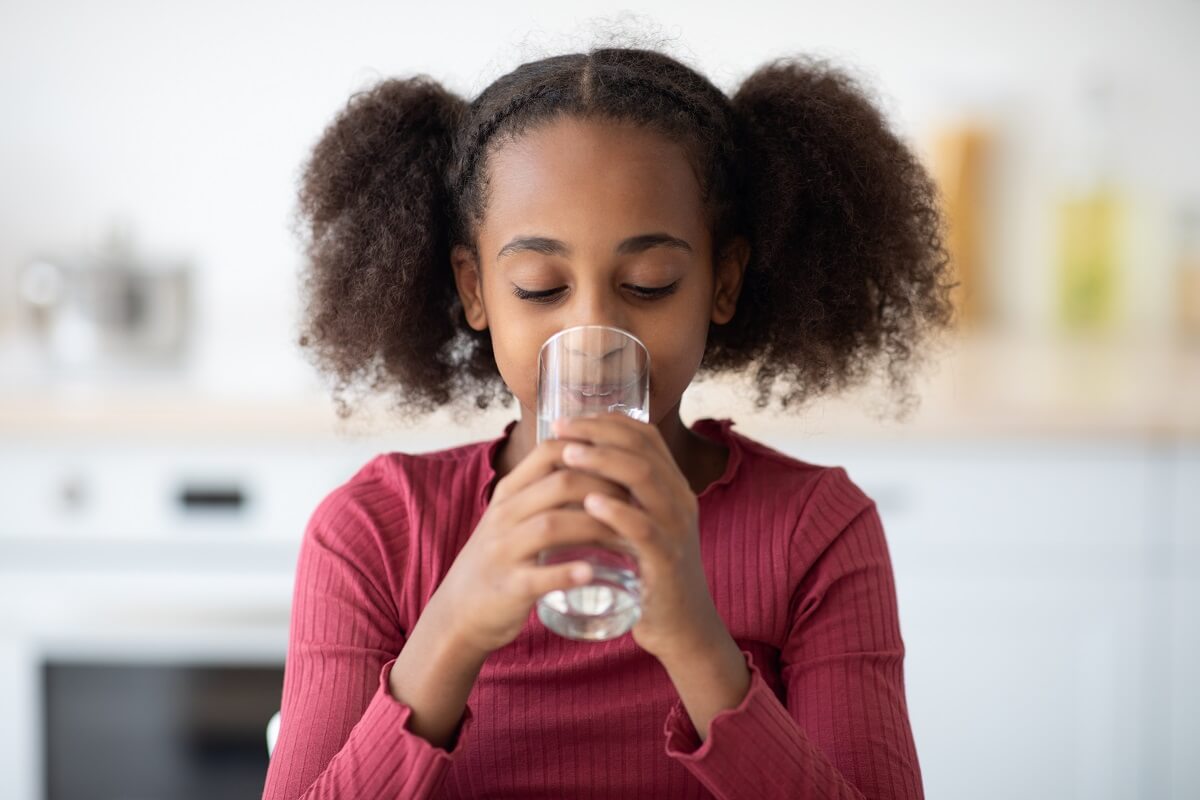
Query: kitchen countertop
{"points": [[979, 385]]}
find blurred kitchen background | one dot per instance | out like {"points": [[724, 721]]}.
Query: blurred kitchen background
{"points": [[163, 442]]}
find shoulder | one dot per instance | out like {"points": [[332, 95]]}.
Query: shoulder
{"points": [[819, 500], [832, 526], [377, 499], [810, 481]]}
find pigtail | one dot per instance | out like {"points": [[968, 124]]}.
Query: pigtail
{"points": [[375, 219], [847, 260]]}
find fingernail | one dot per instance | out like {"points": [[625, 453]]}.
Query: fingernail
{"points": [[574, 452]]}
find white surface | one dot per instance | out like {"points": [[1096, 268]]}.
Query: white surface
{"points": [[1182, 683]]}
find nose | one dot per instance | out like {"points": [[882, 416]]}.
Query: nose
{"points": [[598, 353], [599, 305]]}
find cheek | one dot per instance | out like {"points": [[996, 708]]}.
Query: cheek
{"points": [[676, 354], [513, 345], [516, 358]]}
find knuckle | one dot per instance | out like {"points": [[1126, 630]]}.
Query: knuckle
{"points": [[543, 526], [493, 515], [525, 584], [563, 480], [589, 525], [676, 553], [493, 551], [582, 484]]}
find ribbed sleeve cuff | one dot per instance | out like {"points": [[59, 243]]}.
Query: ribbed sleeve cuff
{"points": [[748, 745], [406, 765]]}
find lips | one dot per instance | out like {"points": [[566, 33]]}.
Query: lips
{"points": [[589, 396], [596, 391]]}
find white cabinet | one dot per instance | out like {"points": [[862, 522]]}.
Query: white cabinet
{"points": [[1184, 624], [1004, 507], [1030, 611]]}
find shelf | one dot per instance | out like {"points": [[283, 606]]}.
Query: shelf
{"points": [[979, 385]]}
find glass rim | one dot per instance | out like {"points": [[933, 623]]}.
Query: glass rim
{"points": [[565, 331]]}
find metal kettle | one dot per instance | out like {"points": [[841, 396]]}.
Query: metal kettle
{"points": [[109, 308]]}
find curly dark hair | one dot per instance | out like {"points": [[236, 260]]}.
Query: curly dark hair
{"points": [[847, 260]]}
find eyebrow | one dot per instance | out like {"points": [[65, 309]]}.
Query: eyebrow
{"points": [[554, 247]]}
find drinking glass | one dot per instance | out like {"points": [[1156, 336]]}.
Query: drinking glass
{"points": [[591, 369]]}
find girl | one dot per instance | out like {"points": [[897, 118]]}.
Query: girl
{"points": [[783, 227]]}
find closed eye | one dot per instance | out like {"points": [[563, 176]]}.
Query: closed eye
{"points": [[643, 292]]}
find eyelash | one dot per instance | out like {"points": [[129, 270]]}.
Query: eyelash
{"points": [[643, 292]]}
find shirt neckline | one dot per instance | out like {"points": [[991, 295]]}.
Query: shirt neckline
{"points": [[715, 429]]}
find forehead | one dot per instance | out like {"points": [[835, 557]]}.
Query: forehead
{"points": [[584, 177]]}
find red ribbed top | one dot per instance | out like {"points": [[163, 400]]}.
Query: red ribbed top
{"points": [[798, 567]]}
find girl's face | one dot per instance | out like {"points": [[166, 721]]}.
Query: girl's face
{"points": [[589, 215]]}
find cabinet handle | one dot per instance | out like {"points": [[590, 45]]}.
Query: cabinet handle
{"points": [[220, 498]]}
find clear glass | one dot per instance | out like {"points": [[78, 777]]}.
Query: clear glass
{"points": [[592, 369]]}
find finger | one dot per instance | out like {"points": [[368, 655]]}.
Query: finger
{"points": [[621, 431], [556, 528], [617, 429], [631, 524], [540, 462], [534, 581], [560, 487], [627, 468]]}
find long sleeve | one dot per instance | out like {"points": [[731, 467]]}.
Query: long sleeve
{"points": [[844, 731], [342, 734]]}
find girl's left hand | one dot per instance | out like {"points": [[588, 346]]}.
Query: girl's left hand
{"points": [[662, 526]]}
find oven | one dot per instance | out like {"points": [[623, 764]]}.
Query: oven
{"points": [[145, 589]]}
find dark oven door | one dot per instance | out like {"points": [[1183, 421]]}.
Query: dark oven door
{"points": [[172, 731]]}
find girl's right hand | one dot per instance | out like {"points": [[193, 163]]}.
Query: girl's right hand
{"points": [[495, 579]]}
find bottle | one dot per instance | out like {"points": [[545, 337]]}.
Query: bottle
{"points": [[959, 153], [1091, 220], [1187, 272]]}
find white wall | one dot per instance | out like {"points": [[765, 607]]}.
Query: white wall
{"points": [[190, 121]]}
